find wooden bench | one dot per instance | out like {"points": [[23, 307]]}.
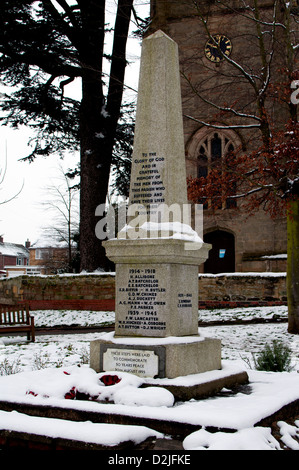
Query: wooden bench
{"points": [[17, 318]]}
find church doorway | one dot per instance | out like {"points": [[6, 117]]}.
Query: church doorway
{"points": [[222, 255]]}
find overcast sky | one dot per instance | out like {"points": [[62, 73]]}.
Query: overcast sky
{"points": [[24, 217]]}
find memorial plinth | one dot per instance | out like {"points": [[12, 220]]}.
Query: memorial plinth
{"points": [[156, 287], [157, 254], [169, 358]]}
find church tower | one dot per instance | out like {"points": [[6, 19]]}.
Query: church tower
{"points": [[219, 108]]}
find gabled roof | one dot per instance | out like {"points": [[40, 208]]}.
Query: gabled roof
{"points": [[13, 249]]}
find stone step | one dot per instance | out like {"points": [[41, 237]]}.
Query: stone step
{"points": [[31, 432]]}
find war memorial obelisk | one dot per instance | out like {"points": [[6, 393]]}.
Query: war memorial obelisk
{"points": [[156, 312]]}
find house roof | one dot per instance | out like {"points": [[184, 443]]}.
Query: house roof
{"points": [[47, 243], [13, 249]]}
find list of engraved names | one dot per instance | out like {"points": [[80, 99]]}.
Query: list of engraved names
{"points": [[143, 300]]}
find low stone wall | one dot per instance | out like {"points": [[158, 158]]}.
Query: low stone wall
{"points": [[74, 292], [242, 289], [97, 292]]}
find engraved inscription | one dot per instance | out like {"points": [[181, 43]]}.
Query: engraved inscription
{"points": [[139, 362], [184, 300], [143, 300], [148, 187]]}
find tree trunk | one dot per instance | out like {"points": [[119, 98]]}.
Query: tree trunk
{"points": [[95, 170], [293, 267], [98, 121]]}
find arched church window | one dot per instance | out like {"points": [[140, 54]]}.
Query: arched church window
{"points": [[211, 151]]}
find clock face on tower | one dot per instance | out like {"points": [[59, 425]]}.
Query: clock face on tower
{"points": [[217, 44]]}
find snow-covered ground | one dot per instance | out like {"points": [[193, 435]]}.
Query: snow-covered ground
{"points": [[238, 341], [49, 369]]}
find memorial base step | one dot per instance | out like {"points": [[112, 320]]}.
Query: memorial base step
{"points": [[156, 357], [233, 381]]}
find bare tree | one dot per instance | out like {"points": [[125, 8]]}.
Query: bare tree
{"points": [[266, 168], [265, 68], [62, 203]]}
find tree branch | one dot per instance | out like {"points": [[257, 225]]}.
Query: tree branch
{"points": [[220, 108], [217, 126]]}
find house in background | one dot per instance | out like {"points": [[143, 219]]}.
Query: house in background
{"points": [[47, 256], [14, 258]]}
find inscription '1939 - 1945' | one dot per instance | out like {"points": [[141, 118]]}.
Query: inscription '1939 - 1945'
{"points": [[141, 300]]}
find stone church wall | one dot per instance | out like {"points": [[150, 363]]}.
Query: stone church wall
{"points": [[257, 236]]}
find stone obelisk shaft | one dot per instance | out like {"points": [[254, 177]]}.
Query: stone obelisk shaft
{"points": [[158, 166]]}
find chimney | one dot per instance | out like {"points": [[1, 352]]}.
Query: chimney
{"points": [[27, 244]]}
